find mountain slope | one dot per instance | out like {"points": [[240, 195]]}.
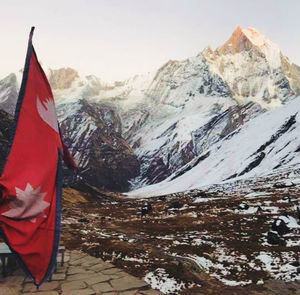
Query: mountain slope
{"points": [[264, 144], [6, 122], [9, 89], [93, 134], [167, 116]]}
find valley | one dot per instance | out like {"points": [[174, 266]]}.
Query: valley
{"points": [[197, 242], [189, 176]]}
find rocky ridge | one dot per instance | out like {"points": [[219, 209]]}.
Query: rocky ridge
{"points": [[9, 88], [93, 133], [175, 114], [6, 121]]}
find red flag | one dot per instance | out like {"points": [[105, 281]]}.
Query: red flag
{"points": [[31, 202]]}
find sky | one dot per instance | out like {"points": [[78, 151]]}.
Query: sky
{"points": [[116, 39]]}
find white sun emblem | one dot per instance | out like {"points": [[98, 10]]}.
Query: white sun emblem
{"points": [[47, 112], [28, 204]]}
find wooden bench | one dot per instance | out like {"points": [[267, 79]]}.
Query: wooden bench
{"points": [[5, 253]]}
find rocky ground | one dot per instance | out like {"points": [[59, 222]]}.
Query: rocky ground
{"points": [[201, 242], [78, 274]]}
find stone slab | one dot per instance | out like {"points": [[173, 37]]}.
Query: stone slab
{"points": [[58, 276], [80, 276], [90, 263], [127, 283], [102, 287], [87, 291], [110, 271], [98, 278], [102, 266], [70, 286], [78, 261], [72, 270]]}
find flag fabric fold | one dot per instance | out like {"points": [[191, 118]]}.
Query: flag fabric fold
{"points": [[31, 180]]}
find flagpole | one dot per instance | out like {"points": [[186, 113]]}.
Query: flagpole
{"points": [[31, 34]]}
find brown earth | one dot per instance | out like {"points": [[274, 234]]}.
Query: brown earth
{"points": [[206, 229]]}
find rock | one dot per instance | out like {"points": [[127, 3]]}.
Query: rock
{"points": [[259, 210], [284, 184], [280, 226], [85, 220], [243, 206], [274, 239], [175, 205], [93, 134], [295, 263]]}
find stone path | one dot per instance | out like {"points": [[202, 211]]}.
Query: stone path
{"points": [[80, 275]]}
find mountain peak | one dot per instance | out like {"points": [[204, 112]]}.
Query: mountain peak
{"points": [[238, 29], [62, 78], [258, 39], [251, 39]]}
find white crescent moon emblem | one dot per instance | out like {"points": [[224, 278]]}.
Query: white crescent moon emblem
{"points": [[47, 112]]}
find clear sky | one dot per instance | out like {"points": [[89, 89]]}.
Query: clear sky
{"points": [[115, 39]]}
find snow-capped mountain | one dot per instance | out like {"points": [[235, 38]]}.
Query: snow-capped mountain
{"points": [[255, 69], [261, 146], [92, 131], [5, 130], [9, 88], [173, 116]]}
